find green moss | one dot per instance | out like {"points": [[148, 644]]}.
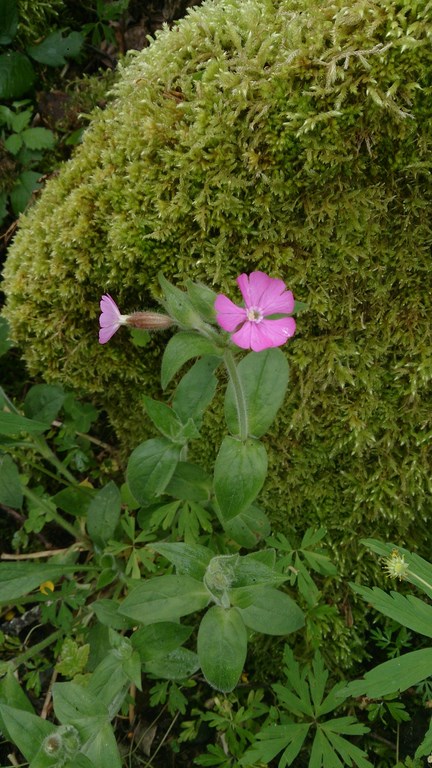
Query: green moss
{"points": [[289, 136]]}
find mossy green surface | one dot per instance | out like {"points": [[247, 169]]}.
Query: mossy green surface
{"points": [[293, 137]]}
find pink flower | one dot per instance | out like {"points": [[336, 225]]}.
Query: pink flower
{"points": [[253, 325], [110, 320]]}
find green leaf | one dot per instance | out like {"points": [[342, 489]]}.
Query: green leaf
{"points": [[107, 612], [189, 483], [43, 402], [5, 343], [189, 559], [394, 675], [3, 215], [407, 610], [16, 75], [13, 424], [77, 706], [181, 348], [272, 612], [28, 182], [202, 299], [273, 739], [18, 579], [253, 570], [420, 571], [164, 418], [54, 50], [20, 120], [8, 21], [73, 657], [179, 305], [102, 749], [74, 500], [196, 389], [10, 484], [158, 640], [222, 647], [13, 143], [264, 380], [249, 527], [25, 729], [165, 598], [177, 665], [103, 514], [150, 468], [38, 138], [239, 474]]}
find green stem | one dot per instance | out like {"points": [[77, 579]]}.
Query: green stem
{"points": [[239, 396], [52, 513], [419, 578], [36, 648], [45, 451]]}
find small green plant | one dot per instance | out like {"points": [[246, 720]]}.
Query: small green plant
{"points": [[122, 611], [410, 669], [302, 723], [106, 13], [25, 145], [17, 72]]}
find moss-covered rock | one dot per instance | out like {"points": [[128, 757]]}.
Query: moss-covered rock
{"points": [[290, 136]]}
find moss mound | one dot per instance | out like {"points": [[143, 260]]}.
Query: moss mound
{"points": [[293, 137]]}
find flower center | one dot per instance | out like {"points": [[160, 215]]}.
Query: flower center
{"points": [[254, 314]]}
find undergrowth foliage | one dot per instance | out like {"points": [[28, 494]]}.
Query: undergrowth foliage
{"points": [[126, 601], [287, 136]]}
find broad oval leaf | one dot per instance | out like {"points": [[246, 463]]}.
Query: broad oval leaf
{"points": [[239, 474], [43, 402], [269, 611], [54, 50], [165, 598], [18, 579], [25, 729], [177, 665], [222, 647], [264, 380], [188, 559], [249, 527], [157, 640], [16, 75], [150, 468]]}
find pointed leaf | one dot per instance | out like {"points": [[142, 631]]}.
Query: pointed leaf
{"points": [[239, 474], [165, 598], [394, 675], [16, 75], [10, 484], [43, 402], [222, 646], [179, 664], [406, 609], [196, 389], [157, 640], [150, 468], [189, 559], [103, 514], [181, 348], [25, 729], [272, 612], [264, 379]]}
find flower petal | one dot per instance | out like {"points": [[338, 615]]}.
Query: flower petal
{"points": [[275, 305], [273, 333], [110, 311], [253, 286], [228, 314], [106, 333]]}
